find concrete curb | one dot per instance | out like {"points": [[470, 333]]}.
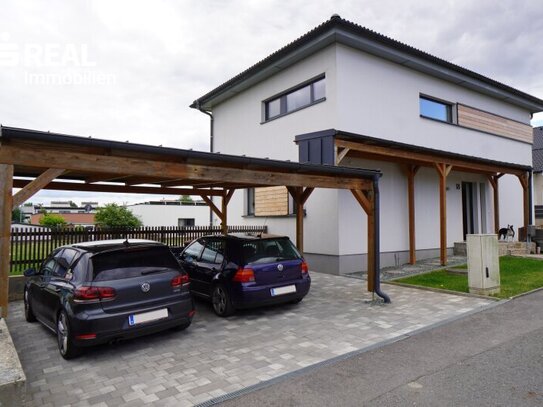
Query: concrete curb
{"points": [[16, 287], [443, 291], [12, 376]]}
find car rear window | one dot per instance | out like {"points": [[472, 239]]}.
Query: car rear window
{"points": [[268, 251], [131, 262]]}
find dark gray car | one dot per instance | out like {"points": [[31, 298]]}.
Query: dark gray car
{"points": [[96, 292]]}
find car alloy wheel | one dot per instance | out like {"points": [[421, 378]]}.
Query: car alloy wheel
{"points": [[221, 301], [29, 314], [65, 345]]}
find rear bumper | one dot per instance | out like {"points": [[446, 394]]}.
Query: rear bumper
{"points": [[247, 296], [115, 326]]}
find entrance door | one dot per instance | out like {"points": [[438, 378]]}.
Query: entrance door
{"points": [[468, 205]]}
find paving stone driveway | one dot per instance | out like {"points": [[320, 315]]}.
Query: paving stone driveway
{"points": [[217, 356]]}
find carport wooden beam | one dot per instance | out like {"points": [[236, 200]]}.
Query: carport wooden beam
{"points": [[367, 202], [300, 195], [6, 207], [443, 171], [222, 213], [34, 186], [94, 163]]}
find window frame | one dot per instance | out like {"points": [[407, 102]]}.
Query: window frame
{"points": [[282, 97], [451, 110]]}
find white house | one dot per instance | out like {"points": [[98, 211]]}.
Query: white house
{"points": [[448, 141], [171, 213]]}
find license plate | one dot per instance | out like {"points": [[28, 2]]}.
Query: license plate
{"points": [[135, 319], [283, 290]]}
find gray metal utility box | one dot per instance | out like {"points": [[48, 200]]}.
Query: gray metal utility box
{"points": [[483, 264]]}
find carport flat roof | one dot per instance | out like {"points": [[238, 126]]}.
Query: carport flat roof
{"points": [[92, 164]]}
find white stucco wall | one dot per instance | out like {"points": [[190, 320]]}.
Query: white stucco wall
{"points": [[238, 128], [373, 97], [168, 215], [380, 99]]}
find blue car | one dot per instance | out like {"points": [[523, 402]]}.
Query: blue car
{"points": [[245, 271]]}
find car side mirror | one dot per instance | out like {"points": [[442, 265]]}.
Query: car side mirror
{"points": [[30, 272]]}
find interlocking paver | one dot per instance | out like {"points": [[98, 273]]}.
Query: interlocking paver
{"points": [[217, 356]]}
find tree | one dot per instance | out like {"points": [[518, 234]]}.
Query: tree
{"points": [[52, 220], [186, 199], [16, 215], [113, 215]]}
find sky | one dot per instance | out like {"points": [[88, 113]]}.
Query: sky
{"points": [[128, 70]]}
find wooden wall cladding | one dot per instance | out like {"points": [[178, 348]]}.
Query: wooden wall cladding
{"points": [[271, 201], [484, 121]]}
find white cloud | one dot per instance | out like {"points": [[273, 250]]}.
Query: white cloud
{"points": [[162, 55]]}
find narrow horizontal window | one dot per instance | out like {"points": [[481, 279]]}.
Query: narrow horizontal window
{"points": [[434, 109], [295, 99]]}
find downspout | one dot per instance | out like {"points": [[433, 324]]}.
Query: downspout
{"points": [[376, 237], [211, 126]]}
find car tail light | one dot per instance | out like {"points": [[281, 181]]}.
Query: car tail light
{"points": [[179, 280], [244, 275], [191, 313], [89, 294], [305, 268]]}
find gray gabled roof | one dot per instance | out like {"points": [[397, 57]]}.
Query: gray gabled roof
{"points": [[537, 150], [343, 31]]}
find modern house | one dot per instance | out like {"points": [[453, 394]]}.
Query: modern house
{"points": [[454, 146], [171, 213]]}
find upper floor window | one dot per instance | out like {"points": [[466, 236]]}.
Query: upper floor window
{"points": [[436, 109], [296, 98]]}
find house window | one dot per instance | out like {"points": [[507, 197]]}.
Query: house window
{"points": [[296, 98], [250, 202], [185, 222], [435, 109]]}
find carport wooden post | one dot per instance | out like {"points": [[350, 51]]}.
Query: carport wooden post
{"points": [[493, 179], [223, 212], [300, 197], [524, 181], [6, 206], [366, 200], [411, 171], [443, 170], [225, 200]]}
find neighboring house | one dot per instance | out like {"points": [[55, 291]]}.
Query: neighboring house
{"points": [[537, 156], [67, 207], [345, 95], [75, 219], [171, 213]]}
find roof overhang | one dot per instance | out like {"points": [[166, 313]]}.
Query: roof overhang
{"points": [[337, 30]]}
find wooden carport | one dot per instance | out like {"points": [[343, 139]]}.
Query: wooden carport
{"points": [[35, 160], [333, 146]]}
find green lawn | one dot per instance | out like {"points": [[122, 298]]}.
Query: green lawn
{"points": [[518, 275]]}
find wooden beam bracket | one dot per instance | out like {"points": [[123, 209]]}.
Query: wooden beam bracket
{"points": [[35, 185]]}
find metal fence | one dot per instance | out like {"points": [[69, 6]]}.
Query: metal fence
{"points": [[30, 247]]}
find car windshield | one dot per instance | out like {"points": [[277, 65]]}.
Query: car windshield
{"points": [[131, 262], [269, 251]]}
